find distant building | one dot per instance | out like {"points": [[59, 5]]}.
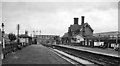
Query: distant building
{"points": [[25, 38], [46, 38]]}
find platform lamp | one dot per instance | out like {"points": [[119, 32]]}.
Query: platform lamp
{"points": [[99, 37], [3, 40]]}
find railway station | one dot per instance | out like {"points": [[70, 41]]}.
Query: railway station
{"points": [[82, 35], [79, 40], [59, 34]]}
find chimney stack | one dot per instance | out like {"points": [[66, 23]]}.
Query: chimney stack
{"points": [[26, 32], [82, 20], [76, 21]]}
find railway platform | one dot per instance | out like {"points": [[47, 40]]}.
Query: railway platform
{"points": [[107, 51], [34, 54]]}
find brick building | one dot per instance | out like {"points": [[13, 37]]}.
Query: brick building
{"points": [[84, 29], [77, 33]]}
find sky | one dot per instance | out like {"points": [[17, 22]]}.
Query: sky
{"points": [[55, 17]]}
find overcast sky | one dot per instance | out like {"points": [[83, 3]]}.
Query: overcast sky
{"points": [[55, 17]]}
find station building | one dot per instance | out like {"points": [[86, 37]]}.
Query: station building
{"points": [[77, 33]]}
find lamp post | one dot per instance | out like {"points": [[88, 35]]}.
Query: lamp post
{"points": [[99, 39], [117, 38], [3, 41]]}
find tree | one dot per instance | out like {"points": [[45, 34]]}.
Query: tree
{"points": [[11, 36]]}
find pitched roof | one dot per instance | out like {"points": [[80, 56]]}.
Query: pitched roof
{"points": [[79, 27], [75, 27], [86, 24]]}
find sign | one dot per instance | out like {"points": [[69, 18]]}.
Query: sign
{"points": [[22, 40], [98, 43]]}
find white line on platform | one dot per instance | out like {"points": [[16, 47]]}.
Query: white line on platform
{"points": [[64, 58], [74, 58]]}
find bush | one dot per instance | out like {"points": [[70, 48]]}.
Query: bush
{"points": [[12, 37]]}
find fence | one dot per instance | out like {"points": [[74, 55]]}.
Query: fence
{"points": [[9, 47]]}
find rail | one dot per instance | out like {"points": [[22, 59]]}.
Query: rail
{"points": [[99, 59]]}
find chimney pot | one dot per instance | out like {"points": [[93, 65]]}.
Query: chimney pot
{"points": [[82, 20]]}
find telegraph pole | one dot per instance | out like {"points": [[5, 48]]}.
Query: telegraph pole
{"points": [[18, 28], [117, 39]]}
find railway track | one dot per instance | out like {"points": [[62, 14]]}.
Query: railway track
{"points": [[74, 60], [97, 59]]}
